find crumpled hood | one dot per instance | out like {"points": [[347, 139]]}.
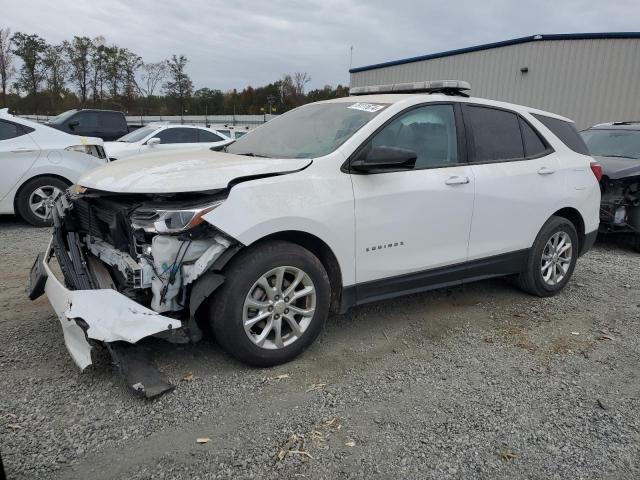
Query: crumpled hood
{"points": [[616, 168], [183, 171]]}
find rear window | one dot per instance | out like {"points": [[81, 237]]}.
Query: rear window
{"points": [[533, 144], [207, 136], [496, 134], [113, 121], [10, 130], [566, 132]]}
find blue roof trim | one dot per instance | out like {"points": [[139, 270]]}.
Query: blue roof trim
{"points": [[504, 43]]}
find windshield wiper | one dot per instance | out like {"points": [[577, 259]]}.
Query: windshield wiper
{"points": [[621, 156], [250, 154]]}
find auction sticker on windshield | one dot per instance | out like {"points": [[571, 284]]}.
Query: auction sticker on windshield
{"points": [[367, 107]]}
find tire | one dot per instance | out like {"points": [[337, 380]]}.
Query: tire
{"points": [[34, 192], [635, 242], [232, 313], [532, 279]]}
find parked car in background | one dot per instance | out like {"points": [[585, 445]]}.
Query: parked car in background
{"points": [[333, 204], [37, 163], [159, 137], [105, 124], [616, 146], [232, 131]]}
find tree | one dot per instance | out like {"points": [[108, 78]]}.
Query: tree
{"points": [[98, 61], [6, 62], [153, 74], [208, 101], [130, 65], [179, 86], [30, 49], [56, 70], [113, 69], [79, 54], [300, 80]]}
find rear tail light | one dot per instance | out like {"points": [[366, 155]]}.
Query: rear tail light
{"points": [[596, 168]]}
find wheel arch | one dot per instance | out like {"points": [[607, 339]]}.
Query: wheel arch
{"points": [[321, 250], [35, 177], [575, 217]]}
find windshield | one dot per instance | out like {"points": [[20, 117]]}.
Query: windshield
{"points": [[137, 135], [613, 143], [309, 131], [62, 117]]}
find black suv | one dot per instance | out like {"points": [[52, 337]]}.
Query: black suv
{"points": [[105, 124], [616, 146]]}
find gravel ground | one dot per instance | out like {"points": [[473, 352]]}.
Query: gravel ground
{"points": [[475, 382]]}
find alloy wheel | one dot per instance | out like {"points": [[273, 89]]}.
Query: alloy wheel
{"points": [[556, 258], [41, 200], [279, 307]]}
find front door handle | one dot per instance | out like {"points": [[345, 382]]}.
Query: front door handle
{"points": [[546, 171], [456, 180]]}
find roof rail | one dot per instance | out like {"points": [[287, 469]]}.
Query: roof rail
{"points": [[448, 87]]}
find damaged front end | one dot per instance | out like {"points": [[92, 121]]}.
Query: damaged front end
{"points": [[620, 205], [122, 267]]}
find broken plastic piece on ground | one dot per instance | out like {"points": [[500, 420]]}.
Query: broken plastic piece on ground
{"points": [[202, 440], [137, 368]]}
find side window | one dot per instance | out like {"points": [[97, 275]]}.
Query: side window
{"points": [[10, 130], [86, 120], [533, 144], [566, 132], [178, 135], [113, 122], [207, 136], [496, 134], [240, 134], [225, 132], [429, 131]]}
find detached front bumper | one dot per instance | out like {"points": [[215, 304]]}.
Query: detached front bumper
{"points": [[103, 315]]}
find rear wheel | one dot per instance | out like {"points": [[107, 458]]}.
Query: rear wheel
{"points": [[272, 305], [552, 258], [34, 199]]}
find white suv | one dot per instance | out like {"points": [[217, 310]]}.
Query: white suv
{"points": [[333, 204]]}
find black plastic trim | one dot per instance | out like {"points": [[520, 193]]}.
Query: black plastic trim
{"points": [[589, 240], [466, 272]]}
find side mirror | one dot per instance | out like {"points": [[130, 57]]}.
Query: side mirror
{"points": [[152, 142], [73, 124], [385, 158]]}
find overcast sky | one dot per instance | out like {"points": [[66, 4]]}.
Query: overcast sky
{"points": [[235, 44]]}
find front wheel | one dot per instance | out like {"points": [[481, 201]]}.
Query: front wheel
{"points": [[552, 258], [272, 305], [34, 200]]}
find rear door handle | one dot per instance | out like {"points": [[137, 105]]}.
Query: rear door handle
{"points": [[455, 180], [546, 171]]}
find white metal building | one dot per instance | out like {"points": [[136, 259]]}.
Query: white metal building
{"points": [[589, 77]]}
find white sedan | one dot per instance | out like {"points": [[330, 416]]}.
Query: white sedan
{"points": [[37, 163], [161, 137]]}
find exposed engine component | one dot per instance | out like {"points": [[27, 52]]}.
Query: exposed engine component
{"points": [[620, 205]]}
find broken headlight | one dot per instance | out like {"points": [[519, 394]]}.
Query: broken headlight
{"points": [[94, 150], [171, 221]]}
